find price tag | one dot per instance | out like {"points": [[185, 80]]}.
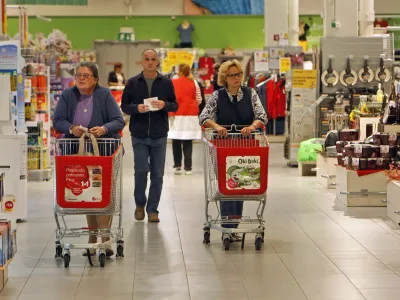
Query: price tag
{"points": [[284, 64]]}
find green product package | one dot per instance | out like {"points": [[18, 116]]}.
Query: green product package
{"points": [[308, 150]]}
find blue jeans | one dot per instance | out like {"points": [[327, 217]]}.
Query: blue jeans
{"points": [[231, 208], [149, 155]]}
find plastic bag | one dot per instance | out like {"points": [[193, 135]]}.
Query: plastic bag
{"points": [[308, 149]]}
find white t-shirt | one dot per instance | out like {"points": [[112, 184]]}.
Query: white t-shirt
{"points": [[120, 78]]}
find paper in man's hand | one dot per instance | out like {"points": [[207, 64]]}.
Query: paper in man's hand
{"points": [[148, 103]]}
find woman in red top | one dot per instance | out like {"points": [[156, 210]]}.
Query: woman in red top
{"points": [[184, 124]]}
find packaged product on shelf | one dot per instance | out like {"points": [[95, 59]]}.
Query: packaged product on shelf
{"points": [[381, 152], [14, 242], [7, 223], [372, 163], [355, 163], [41, 102], [3, 244], [363, 163]]}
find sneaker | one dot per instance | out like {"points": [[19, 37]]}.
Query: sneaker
{"points": [[178, 171], [139, 213], [188, 172], [153, 217]]}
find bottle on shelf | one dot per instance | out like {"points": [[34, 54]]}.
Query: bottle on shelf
{"points": [[379, 94]]}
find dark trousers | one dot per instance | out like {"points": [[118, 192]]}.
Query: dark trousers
{"points": [[231, 208], [187, 153], [186, 45]]}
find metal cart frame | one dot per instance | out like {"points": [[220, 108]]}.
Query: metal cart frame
{"points": [[215, 177], [111, 151]]}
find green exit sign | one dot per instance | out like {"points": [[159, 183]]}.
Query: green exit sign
{"points": [[125, 37], [48, 2]]}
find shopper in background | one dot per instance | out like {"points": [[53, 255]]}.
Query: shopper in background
{"points": [[149, 129], [87, 105], [184, 124], [216, 67], [230, 105], [116, 78]]}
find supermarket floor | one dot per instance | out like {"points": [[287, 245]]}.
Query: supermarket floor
{"points": [[315, 248]]}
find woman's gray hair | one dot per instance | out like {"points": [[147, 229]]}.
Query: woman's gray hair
{"points": [[91, 66]]}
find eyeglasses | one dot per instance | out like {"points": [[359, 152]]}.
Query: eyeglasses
{"points": [[237, 75], [85, 76]]}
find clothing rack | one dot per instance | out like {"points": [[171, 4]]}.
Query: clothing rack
{"points": [[271, 75]]}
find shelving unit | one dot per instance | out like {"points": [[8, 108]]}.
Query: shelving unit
{"points": [[39, 124]]}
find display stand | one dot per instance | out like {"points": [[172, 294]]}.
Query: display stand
{"points": [[13, 140], [326, 171], [393, 201], [4, 274], [300, 123], [354, 190], [39, 150], [307, 168], [13, 162]]}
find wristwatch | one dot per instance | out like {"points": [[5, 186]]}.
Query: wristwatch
{"points": [[70, 130]]}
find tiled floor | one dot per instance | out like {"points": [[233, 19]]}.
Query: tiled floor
{"points": [[315, 248]]}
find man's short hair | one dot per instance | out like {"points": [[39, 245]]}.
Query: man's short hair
{"points": [[150, 49]]}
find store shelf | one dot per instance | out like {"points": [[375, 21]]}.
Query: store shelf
{"points": [[3, 268], [360, 191]]}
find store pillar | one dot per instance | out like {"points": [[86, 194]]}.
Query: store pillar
{"points": [[293, 22], [367, 18], [275, 21], [340, 18]]}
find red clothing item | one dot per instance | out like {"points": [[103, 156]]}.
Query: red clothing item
{"points": [[207, 63], [280, 98], [185, 91], [276, 99], [381, 24]]}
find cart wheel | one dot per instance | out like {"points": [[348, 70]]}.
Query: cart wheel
{"points": [[67, 259], [262, 235], [102, 260], [58, 251], [206, 237], [258, 243], [120, 251], [227, 243]]}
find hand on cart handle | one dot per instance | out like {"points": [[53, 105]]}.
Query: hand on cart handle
{"points": [[246, 131], [97, 131], [222, 131], [77, 131]]}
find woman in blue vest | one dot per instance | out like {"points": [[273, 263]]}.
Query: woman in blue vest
{"points": [[233, 104]]}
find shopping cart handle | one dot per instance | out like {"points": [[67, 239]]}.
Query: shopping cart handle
{"points": [[234, 127], [58, 135]]}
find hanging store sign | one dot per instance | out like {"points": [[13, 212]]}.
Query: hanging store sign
{"points": [[304, 79], [261, 61], [8, 58]]}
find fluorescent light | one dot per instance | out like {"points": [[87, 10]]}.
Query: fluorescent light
{"points": [[393, 28], [43, 18]]}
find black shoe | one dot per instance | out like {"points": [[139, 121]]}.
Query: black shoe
{"points": [[109, 252]]}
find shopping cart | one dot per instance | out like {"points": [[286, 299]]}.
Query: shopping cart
{"points": [[235, 169], [88, 185]]}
